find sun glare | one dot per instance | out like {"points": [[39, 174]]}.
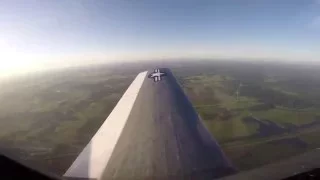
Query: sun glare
{"points": [[13, 61]]}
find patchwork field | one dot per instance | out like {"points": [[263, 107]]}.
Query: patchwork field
{"points": [[257, 120], [259, 113]]}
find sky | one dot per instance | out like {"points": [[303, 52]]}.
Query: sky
{"points": [[50, 34]]}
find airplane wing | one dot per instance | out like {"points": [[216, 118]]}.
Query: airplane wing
{"points": [[153, 132]]}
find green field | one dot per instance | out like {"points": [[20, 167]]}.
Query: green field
{"points": [[250, 117], [259, 113], [48, 119]]}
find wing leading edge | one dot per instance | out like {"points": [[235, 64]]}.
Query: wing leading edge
{"points": [[153, 132]]}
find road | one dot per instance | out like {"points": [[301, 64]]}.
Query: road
{"points": [[164, 138]]}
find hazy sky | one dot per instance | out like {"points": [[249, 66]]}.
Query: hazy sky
{"points": [[72, 32]]}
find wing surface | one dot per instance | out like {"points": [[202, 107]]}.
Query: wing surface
{"points": [[153, 132]]}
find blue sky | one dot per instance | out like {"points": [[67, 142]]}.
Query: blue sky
{"points": [[41, 34]]}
